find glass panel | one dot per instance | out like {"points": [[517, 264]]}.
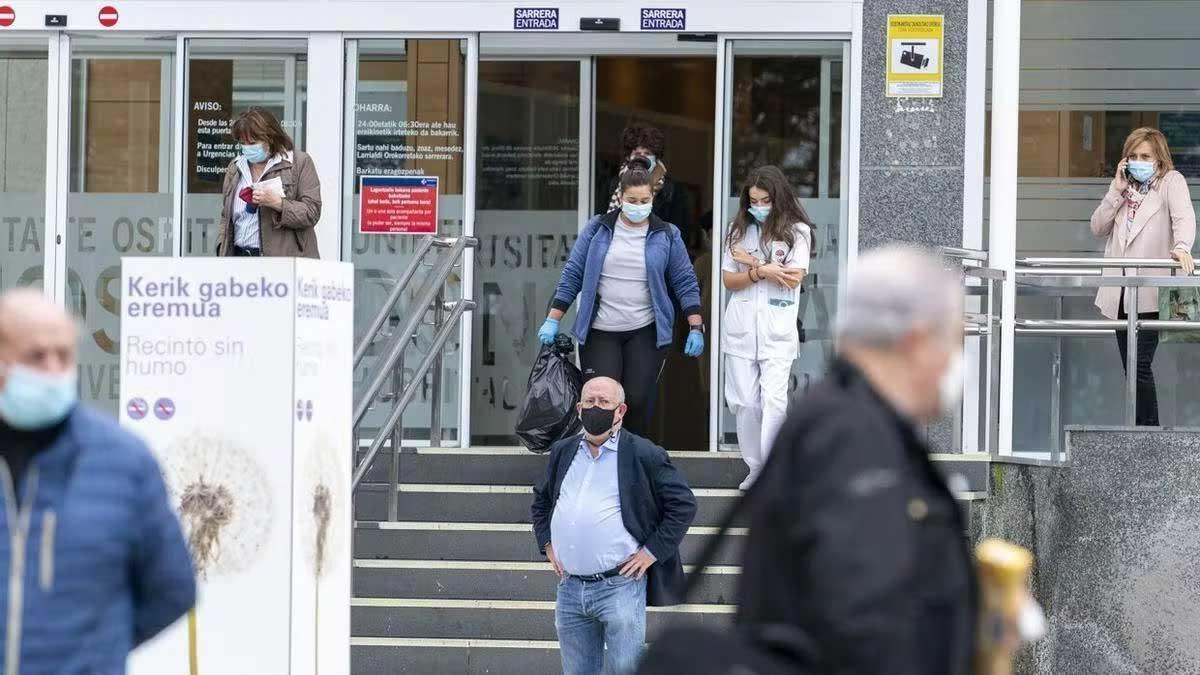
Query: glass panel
{"points": [[527, 219], [408, 121], [674, 95], [775, 118], [224, 78], [1091, 72], [23, 80], [121, 194]]}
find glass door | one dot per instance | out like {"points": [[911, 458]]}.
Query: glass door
{"points": [[406, 115], [224, 78], [530, 202], [24, 78], [784, 106]]}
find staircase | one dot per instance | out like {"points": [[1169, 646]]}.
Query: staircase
{"points": [[457, 586]]}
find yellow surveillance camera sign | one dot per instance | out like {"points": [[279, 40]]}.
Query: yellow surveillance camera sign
{"points": [[914, 55]]}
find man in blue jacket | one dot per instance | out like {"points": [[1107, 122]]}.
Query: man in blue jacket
{"points": [[610, 515], [92, 559]]}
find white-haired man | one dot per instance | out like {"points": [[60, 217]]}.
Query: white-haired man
{"points": [[857, 562]]}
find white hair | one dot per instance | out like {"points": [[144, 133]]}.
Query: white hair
{"points": [[895, 290]]}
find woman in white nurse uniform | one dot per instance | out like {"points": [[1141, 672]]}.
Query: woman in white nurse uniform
{"points": [[765, 259]]}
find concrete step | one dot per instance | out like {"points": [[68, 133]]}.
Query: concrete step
{"points": [[518, 466], [493, 542], [490, 580], [458, 503], [496, 619], [422, 656]]}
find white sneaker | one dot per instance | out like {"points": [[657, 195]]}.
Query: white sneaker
{"points": [[748, 482]]}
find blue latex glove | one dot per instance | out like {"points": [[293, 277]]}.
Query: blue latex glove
{"points": [[695, 344], [548, 330]]}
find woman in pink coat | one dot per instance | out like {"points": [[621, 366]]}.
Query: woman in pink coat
{"points": [[1147, 213]]}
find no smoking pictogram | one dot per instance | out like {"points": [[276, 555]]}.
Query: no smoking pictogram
{"points": [[7, 16], [164, 408], [108, 16], [137, 408]]}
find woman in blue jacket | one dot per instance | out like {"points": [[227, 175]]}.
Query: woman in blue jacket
{"points": [[624, 268]]}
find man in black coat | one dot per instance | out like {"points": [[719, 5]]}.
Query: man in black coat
{"points": [[610, 514], [857, 561]]}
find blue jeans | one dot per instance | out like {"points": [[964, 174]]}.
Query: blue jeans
{"points": [[592, 615]]}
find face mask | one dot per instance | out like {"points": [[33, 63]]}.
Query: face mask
{"points": [[636, 213], [33, 400], [596, 420], [760, 213], [950, 387], [254, 153], [649, 158], [1141, 171]]}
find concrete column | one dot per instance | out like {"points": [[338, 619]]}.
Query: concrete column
{"points": [[911, 168]]}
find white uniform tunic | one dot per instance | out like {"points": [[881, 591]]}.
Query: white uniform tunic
{"points": [[760, 340]]}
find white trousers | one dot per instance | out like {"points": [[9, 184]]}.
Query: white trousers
{"points": [[757, 393]]}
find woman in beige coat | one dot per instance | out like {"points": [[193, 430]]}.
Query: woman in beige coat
{"points": [[1147, 213], [271, 195]]}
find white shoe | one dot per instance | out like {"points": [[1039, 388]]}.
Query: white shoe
{"points": [[748, 482]]}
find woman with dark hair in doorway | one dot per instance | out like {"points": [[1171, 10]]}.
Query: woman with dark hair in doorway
{"points": [[671, 200], [625, 268], [271, 195], [766, 257]]}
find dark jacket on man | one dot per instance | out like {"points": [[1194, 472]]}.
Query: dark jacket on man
{"points": [[857, 562], [93, 561], [290, 232], [657, 507]]}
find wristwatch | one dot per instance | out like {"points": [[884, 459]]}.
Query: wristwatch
{"points": [[699, 327]]}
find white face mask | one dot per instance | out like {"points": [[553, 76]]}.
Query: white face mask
{"points": [[950, 386]]}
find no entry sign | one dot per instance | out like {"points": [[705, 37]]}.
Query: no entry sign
{"points": [[7, 16], [398, 205], [108, 16]]}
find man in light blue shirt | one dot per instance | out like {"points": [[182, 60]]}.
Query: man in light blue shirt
{"points": [[610, 507]]}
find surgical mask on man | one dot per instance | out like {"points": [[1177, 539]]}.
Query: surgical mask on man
{"points": [[636, 213], [1140, 171], [255, 153], [760, 213], [597, 421], [32, 400], [950, 386]]}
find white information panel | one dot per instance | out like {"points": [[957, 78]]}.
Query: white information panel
{"points": [[237, 371]]}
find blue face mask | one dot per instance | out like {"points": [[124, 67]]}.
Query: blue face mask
{"points": [[255, 153], [636, 213], [32, 400], [649, 158], [760, 213], [1141, 171]]}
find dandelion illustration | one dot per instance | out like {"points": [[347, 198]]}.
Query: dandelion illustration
{"points": [[224, 507], [325, 481]]}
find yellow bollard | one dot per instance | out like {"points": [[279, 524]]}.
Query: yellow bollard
{"points": [[1004, 577]]}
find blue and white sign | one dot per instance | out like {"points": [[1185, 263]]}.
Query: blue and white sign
{"points": [[664, 18], [535, 18]]}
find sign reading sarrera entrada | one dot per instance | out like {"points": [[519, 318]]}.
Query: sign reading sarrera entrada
{"points": [[535, 18], [664, 18]]}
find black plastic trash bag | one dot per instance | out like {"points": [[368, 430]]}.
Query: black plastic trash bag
{"points": [[548, 412]]}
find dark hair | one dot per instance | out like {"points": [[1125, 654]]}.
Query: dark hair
{"points": [[786, 209], [258, 124], [642, 135], [635, 173]]}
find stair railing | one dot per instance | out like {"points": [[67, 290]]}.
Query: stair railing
{"points": [[390, 368]]}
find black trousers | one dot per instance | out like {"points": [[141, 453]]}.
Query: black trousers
{"points": [[634, 359], [1147, 345]]}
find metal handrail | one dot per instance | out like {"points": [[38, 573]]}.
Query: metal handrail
{"points": [[985, 283], [1064, 273], [410, 391], [440, 273], [385, 311], [960, 253], [1098, 263]]}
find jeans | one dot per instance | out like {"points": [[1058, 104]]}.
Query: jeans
{"points": [[592, 615], [632, 358], [1146, 409]]}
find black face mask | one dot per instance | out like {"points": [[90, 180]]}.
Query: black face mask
{"points": [[597, 420]]}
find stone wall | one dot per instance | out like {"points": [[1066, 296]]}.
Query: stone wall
{"points": [[1117, 539]]}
